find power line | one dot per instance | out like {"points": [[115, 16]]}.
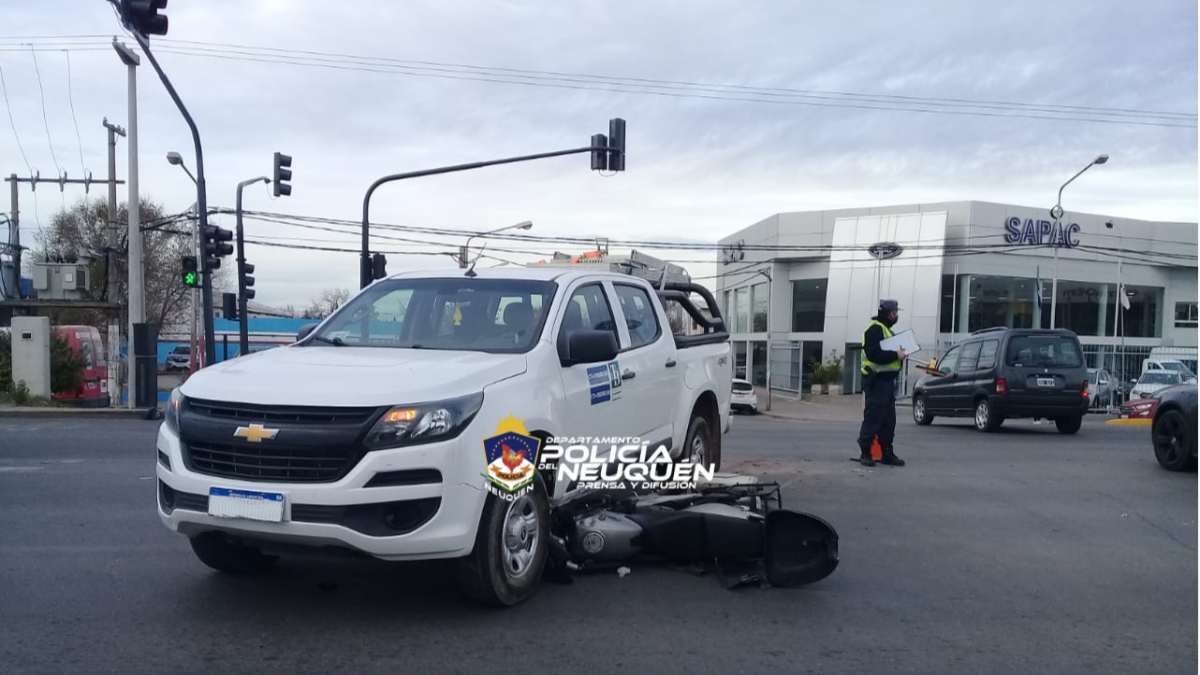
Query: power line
{"points": [[45, 120], [8, 105], [671, 88], [624, 89], [71, 98]]}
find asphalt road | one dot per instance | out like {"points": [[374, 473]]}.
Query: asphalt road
{"points": [[1024, 551]]}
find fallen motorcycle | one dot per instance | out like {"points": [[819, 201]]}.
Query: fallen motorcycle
{"points": [[734, 523]]}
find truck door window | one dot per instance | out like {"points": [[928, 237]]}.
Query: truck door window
{"points": [[640, 317], [969, 358], [987, 354], [588, 309]]}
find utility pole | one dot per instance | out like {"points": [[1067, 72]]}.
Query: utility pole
{"points": [[137, 308], [110, 267], [14, 216]]}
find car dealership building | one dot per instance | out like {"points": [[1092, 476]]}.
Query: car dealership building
{"points": [[802, 286]]}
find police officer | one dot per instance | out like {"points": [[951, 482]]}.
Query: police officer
{"points": [[879, 370]]}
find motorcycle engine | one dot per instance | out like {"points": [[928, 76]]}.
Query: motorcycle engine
{"points": [[604, 536]]}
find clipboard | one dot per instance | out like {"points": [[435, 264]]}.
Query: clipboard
{"points": [[905, 340]]}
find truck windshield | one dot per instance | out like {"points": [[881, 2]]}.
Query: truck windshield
{"points": [[1041, 351], [459, 313]]}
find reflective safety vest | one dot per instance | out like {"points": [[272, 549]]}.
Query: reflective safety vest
{"points": [[869, 366]]}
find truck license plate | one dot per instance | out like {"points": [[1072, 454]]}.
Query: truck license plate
{"points": [[1045, 381], [227, 503]]}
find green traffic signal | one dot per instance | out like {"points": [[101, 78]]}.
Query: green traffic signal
{"points": [[191, 272], [190, 279]]}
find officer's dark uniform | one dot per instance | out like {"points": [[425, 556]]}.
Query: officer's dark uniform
{"points": [[879, 370]]}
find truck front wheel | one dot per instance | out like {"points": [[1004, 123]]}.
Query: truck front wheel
{"points": [[510, 552], [699, 446]]}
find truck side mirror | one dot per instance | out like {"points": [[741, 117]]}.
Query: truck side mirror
{"points": [[589, 346], [306, 330]]}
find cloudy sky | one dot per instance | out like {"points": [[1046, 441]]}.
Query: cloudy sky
{"points": [[698, 167]]}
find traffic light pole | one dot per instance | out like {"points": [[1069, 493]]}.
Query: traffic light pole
{"points": [[243, 301], [210, 347], [365, 271]]}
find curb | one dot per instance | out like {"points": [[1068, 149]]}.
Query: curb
{"points": [[79, 413], [1140, 422]]}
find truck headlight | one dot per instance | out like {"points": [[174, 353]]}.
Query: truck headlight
{"points": [[423, 423], [173, 405]]}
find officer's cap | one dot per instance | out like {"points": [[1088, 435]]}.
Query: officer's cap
{"points": [[889, 306]]}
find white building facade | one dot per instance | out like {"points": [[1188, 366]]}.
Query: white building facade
{"points": [[954, 267]]}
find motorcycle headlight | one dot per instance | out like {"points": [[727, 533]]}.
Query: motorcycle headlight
{"points": [[173, 405], [423, 423]]}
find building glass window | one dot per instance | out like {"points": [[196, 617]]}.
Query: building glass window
{"points": [[741, 308], [808, 305], [946, 310], [758, 296], [758, 363], [1185, 315], [998, 301], [1092, 309], [810, 358], [727, 308], [739, 360]]}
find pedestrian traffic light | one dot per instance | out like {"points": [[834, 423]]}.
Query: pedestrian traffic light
{"points": [[142, 16], [214, 246], [191, 273], [378, 266], [246, 283], [616, 144], [599, 153], [229, 306], [283, 174]]}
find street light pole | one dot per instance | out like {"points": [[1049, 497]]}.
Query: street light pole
{"points": [[137, 302], [770, 307], [466, 248], [1057, 213], [243, 302], [175, 159]]}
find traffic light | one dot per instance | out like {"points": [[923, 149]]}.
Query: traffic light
{"points": [[246, 283], [229, 306], [616, 144], [143, 17], [214, 246], [599, 154], [191, 273], [283, 174], [378, 266]]}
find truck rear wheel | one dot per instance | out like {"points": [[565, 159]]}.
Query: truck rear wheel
{"points": [[510, 552], [225, 555], [699, 446]]}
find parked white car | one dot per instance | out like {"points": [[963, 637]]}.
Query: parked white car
{"points": [[1153, 380], [369, 433], [744, 398]]}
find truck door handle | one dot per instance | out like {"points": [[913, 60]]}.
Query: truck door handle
{"points": [[671, 363], [628, 374]]}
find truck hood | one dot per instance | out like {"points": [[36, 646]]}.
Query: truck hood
{"points": [[351, 376]]}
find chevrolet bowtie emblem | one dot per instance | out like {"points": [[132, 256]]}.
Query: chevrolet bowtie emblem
{"points": [[255, 433]]}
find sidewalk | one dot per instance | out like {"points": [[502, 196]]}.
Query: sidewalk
{"points": [[815, 408], [8, 411]]}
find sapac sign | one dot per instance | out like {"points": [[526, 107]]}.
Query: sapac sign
{"points": [[1032, 231]]}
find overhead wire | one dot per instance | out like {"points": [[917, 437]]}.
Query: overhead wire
{"points": [[74, 119], [45, 119]]}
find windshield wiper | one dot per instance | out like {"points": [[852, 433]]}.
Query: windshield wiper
{"points": [[335, 341]]}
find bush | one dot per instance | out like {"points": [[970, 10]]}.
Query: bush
{"points": [[20, 394], [818, 376], [66, 366], [5, 363]]}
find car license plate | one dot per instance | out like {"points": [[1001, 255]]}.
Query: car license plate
{"points": [[227, 503], [1045, 382]]}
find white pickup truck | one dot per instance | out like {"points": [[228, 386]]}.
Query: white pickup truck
{"points": [[368, 433]]}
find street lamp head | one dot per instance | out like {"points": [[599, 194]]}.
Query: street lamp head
{"points": [[1101, 159], [526, 225], [175, 158]]}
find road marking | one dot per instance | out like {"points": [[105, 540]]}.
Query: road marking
{"points": [[19, 469], [1139, 422]]}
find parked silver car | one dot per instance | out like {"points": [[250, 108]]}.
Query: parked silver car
{"points": [[1105, 390]]}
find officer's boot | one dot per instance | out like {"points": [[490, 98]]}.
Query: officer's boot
{"points": [[865, 458], [890, 458]]}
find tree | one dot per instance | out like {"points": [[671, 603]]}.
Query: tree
{"points": [[326, 303], [82, 229]]}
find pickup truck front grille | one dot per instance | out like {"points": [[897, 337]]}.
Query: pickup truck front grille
{"points": [[280, 414], [274, 463]]}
